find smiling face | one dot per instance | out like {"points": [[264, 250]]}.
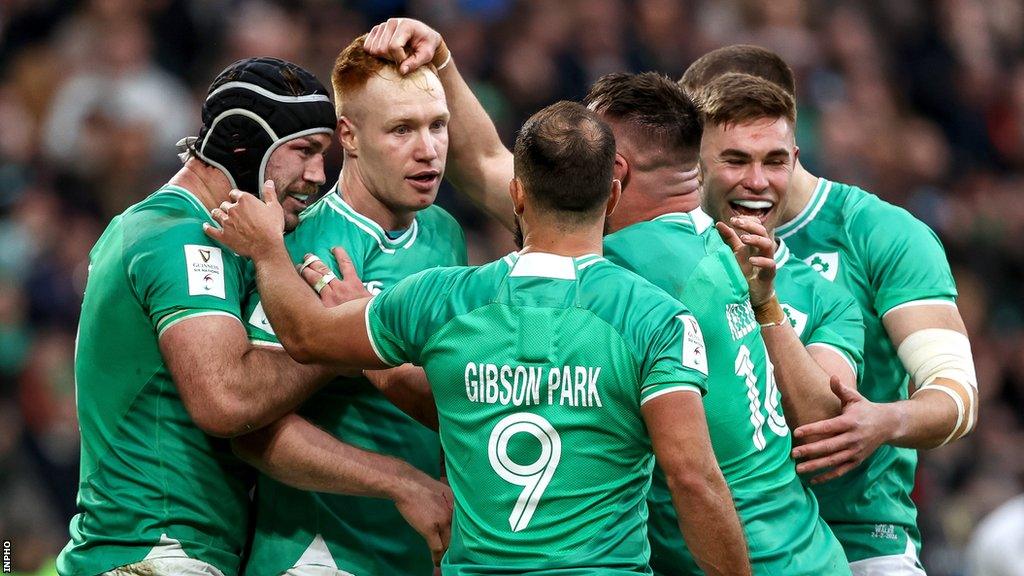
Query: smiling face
{"points": [[746, 169], [396, 129], [297, 169]]}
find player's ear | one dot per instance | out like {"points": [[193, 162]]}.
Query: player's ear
{"points": [[614, 196], [796, 154], [515, 190], [620, 171], [347, 136]]}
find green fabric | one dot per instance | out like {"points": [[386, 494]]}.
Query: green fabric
{"points": [[362, 535], [819, 312], [884, 257], [542, 361], [684, 255], [147, 471]]}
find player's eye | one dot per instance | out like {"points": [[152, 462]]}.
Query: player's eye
{"points": [[401, 129], [438, 124]]}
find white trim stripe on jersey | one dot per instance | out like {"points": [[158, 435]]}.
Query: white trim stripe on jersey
{"points": [[386, 243], [809, 212], [679, 388], [841, 353], [929, 302], [177, 317], [587, 263], [369, 334], [701, 221], [782, 254]]}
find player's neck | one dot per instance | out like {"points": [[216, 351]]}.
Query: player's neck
{"points": [[354, 191], [206, 183], [801, 188], [561, 241], [649, 204]]}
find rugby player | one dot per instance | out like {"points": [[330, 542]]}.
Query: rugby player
{"points": [[393, 130], [164, 369], [919, 389], [567, 368]]}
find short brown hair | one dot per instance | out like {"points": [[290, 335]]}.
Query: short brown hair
{"points": [[654, 106], [745, 58], [353, 68], [733, 97], [564, 156]]}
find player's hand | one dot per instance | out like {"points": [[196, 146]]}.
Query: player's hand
{"points": [[332, 289], [406, 42], [845, 441], [426, 505], [754, 250], [248, 225]]}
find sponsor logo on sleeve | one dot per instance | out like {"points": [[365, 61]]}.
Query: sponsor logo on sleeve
{"points": [[825, 263], [797, 319], [694, 352], [204, 266], [258, 318]]}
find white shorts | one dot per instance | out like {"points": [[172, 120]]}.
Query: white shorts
{"points": [[905, 564], [166, 567]]}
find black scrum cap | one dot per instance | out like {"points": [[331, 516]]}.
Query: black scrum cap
{"points": [[254, 106]]}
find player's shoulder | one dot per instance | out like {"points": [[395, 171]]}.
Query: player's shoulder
{"points": [[610, 290], [170, 216], [867, 215]]}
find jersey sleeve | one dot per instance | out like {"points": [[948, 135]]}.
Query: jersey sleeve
{"points": [[180, 273], [904, 259], [399, 319], [841, 326], [676, 357]]}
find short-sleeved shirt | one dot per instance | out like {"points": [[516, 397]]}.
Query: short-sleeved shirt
{"points": [[821, 313], [539, 365], [885, 258], [354, 534], [152, 483], [683, 254]]}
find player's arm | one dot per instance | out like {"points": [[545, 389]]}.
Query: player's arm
{"points": [[802, 380], [229, 386], [479, 165], [932, 343], [707, 515], [309, 332], [298, 453], [407, 388]]}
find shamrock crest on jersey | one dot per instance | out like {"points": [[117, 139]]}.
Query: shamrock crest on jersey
{"points": [[825, 263]]}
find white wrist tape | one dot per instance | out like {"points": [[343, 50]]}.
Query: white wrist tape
{"points": [[935, 353]]}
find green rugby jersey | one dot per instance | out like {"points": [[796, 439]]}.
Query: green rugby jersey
{"points": [[361, 536], [821, 313], [684, 255], [152, 484], [884, 257], [539, 365]]}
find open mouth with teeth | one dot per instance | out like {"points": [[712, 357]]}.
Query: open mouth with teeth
{"points": [[302, 199], [759, 209]]}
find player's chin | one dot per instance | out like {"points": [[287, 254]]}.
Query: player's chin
{"points": [[291, 217]]}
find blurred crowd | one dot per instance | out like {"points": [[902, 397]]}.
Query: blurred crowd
{"points": [[919, 101]]}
